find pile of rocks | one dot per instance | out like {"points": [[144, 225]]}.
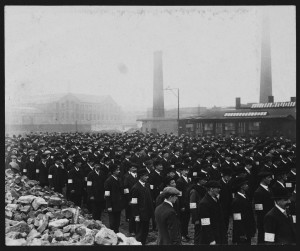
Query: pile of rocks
{"points": [[36, 216]]}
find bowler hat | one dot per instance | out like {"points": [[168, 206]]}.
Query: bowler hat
{"points": [[280, 170], [280, 193], [113, 167], [264, 174], [226, 171], [141, 172], [238, 183], [213, 184], [201, 176]]}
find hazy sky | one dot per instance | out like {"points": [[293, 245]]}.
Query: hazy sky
{"points": [[212, 54]]}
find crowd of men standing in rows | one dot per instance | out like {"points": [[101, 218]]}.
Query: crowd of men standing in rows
{"points": [[170, 182]]}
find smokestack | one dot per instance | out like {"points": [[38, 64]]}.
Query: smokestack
{"points": [[270, 99], [237, 103], [293, 99], [158, 92], [266, 71]]}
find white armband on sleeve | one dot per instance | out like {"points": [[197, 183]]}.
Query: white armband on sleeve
{"points": [[151, 187], [294, 218], [107, 193], [194, 174], [25, 170], [126, 190], [37, 170], [134, 201], [70, 181], [205, 221], [237, 216], [269, 237], [89, 183], [258, 207], [193, 205], [288, 184], [50, 176]]}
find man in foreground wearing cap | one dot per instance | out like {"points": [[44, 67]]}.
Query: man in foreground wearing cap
{"points": [[244, 226], [167, 222], [278, 225], [142, 205], [263, 202], [213, 230]]}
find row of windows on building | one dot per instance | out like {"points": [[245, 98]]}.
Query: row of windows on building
{"points": [[226, 128], [87, 116], [73, 105]]}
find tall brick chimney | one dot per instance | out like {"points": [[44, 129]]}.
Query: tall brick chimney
{"points": [[237, 103], [158, 92], [270, 99], [266, 70]]}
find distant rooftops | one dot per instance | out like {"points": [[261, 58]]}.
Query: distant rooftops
{"points": [[49, 98]]}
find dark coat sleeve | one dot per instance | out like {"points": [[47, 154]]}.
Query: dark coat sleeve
{"points": [[173, 228]]}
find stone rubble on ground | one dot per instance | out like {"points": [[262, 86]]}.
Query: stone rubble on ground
{"points": [[36, 216]]}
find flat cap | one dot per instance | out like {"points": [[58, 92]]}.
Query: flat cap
{"points": [[171, 191]]}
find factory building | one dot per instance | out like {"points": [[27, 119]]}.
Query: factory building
{"points": [[64, 113]]}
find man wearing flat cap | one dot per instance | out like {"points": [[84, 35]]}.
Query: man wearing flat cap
{"points": [[167, 222], [142, 205], [213, 230], [263, 202], [278, 224], [244, 225]]}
